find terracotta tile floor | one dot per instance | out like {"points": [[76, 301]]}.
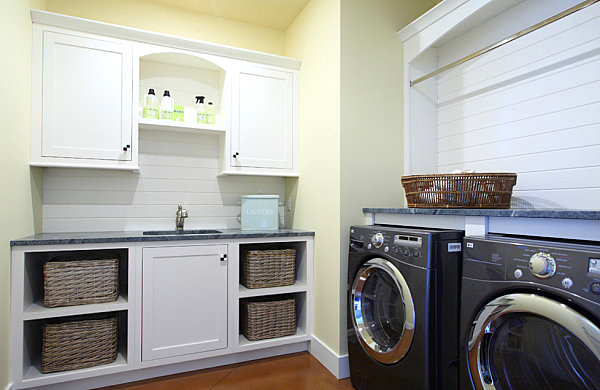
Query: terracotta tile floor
{"points": [[299, 371]]}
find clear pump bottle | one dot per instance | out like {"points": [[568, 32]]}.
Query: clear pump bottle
{"points": [[201, 110]]}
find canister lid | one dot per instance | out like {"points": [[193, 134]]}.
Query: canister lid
{"points": [[260, 196]]}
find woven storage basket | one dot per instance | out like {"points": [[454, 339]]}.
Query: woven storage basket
{"points": [[265, 319], [268, 268], [461, 190], [81, 280], [79, 343]]}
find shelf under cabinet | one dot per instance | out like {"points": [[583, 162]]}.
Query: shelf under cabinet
{"points": [[185, 127], [245, 344], [37, 310], [35, 375], [254, 292]]}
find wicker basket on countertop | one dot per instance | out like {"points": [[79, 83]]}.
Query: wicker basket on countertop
{"points": [[460, 190], [262, 268], [81, 279], [79, 343], [268, 317]]}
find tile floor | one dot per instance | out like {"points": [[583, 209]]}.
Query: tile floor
{"points": [[299, 371]]}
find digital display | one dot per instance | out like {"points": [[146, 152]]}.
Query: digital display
{"points": [[594, 266]]}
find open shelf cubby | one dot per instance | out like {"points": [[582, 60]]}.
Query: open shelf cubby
{"points": [[32, 350], [33, 283], [185, 76]]}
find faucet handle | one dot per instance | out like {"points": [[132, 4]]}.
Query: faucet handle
{"points": [[181, 212]]}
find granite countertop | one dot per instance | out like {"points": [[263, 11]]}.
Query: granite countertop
{"points": [[518, 213], [136, 236]]}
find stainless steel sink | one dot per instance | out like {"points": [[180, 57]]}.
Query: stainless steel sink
{"points": [[174, 232]]}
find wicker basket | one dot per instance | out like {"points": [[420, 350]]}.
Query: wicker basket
{"points": [[79, 343], [81, 280], [266, 318], [461, 190], [268, 268]]}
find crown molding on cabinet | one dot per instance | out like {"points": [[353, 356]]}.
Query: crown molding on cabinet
{"points": [[429, 17], [134, 34], [446, 21]]}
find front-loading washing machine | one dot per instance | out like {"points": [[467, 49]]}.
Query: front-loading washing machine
{"points": [[530, 314], [403, 291]]}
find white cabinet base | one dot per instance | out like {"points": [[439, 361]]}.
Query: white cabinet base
{"points": [[186, 275]]}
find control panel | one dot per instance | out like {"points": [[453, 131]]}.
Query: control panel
{"points": [[405, 246], [573, 267]]}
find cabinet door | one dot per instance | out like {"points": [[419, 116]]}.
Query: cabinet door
{"points": [[86, 98], [262, 135], [184, 300]]}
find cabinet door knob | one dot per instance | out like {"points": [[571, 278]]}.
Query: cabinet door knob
{"points": [[236, 154], [126, 147], [223, 257]]}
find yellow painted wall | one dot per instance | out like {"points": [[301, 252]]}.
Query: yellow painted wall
{"points": [[174, 21], [350, 134], [371, 112], [314, 37], [20, 196]]}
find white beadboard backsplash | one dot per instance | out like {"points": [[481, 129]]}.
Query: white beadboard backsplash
{"points": [[175, 168], [530, 107]]}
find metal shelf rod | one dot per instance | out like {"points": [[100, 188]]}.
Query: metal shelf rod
{"points": [[504, 41]]}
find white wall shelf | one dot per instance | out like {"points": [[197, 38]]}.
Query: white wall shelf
{"points": [[37, 310], [184, 127], [255, 292]]}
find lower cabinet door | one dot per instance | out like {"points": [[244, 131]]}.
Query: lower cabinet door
{"points": [[184, 300]]}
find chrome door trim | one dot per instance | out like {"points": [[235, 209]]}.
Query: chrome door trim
{"points": [[396, 353], [491, 316]]}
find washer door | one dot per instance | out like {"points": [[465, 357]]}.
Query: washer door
{"points": [[526, 341], [383, 311]]}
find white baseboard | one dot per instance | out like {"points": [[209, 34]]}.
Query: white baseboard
{"points": [[169, 369], [336, 364]]}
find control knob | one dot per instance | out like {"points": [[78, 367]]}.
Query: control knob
{"points": [[595, 288], [377, 240], [542, 265]]}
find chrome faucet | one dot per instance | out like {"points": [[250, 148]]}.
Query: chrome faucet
{"points": [[182, 214]]}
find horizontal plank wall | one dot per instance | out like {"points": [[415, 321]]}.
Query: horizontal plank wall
{"points": [[175, 168], [530, 107]]}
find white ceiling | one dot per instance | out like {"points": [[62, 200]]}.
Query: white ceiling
{"points": [[276, 14]]}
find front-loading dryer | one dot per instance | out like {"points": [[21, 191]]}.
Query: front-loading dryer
{"points": [[403, 291], [530, 314]]}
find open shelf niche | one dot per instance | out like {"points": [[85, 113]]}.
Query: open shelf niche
{"points": [[185, 76]]}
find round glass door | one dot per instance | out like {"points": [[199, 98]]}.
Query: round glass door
{"points": [[526, 341], [383, 311]]}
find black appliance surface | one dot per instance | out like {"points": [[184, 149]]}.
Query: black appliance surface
{"points": [[403, 290], [530, 311]]}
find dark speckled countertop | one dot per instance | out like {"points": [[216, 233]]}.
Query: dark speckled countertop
{"points": [[517, 213], [136, 236]]}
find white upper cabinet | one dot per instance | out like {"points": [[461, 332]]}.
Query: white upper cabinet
{"points": [[88, 97], [84, 115], [263, 128]]}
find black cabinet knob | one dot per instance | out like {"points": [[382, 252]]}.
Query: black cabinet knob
{"points": [[236, 154], [126, 147]]}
